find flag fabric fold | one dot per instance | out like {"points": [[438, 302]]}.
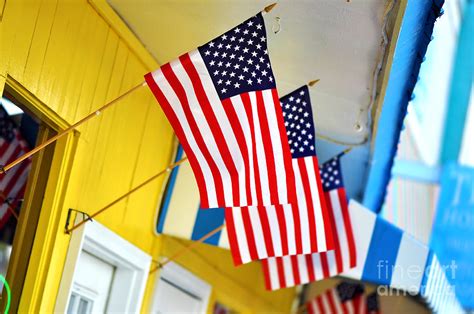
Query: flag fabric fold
{"points": [[222, 102], [287, 271], [260, 232]]}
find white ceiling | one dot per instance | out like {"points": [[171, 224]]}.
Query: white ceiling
{"points": [[332, 40]]}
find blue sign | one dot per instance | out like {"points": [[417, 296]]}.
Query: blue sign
{"points": [[452, 236]]}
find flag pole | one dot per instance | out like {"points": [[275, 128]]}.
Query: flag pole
{"points": [[187, 248], [4, 169], [150, 179]]}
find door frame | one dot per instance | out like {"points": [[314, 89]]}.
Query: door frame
{"points": [[132, 267]]}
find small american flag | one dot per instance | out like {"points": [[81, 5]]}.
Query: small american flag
{"points": [[12, 183], [302, 228], [287, 271], [343, 299], [222, 102]]}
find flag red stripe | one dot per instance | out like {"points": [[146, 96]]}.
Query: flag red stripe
{"points": [[324, 264], [266, 230], [331, 301], [162, 100], [281, 272], [328, 229], [348, 226], [266, 274], [248, 109], [249, 232], [215, 127], [295, 269], [310, 267], [282, 226], [309, 203], [181, 94], [234, 246], [337, 245]]}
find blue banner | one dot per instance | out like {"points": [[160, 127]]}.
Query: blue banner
{"points": [[452, 236]]}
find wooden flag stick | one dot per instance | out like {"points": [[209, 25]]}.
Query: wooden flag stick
{"points": [[268, 8], [188, 247], [313, 82], [66, 131], [150, 179]]}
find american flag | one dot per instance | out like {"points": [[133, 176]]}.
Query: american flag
{"points": [[222, 102], [287, 271], [345, 298], [302, 228], [12, 183]]}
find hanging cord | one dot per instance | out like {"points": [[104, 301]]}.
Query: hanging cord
{"points": [[4, 169], [168, 169], [187, 248]]}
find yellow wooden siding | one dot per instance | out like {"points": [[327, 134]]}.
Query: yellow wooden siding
{"points": [[67, 55]]}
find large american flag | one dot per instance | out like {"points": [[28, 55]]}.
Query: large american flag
{"points": [[303, 228], [222, 102], [345, 298], [12, 183], [287, 271]]}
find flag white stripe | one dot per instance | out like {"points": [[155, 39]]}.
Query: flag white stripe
{"points": [[317, 267], [274, 230], [169, 93], [349, 307], [273, 272], [287, 269], [332, 265], [337, 302], [223, 121], [261, 157], [303, 268], [204, 127], [257, 231], [303, 212], [244, 124], [241, 236], [314, 306], [340, 227], [277, 146], [290, 229], [325, 302], [318, 215]]}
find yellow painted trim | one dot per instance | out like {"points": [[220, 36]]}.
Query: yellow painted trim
{"points": [[123, 31], [39, 109], [50, 226]]}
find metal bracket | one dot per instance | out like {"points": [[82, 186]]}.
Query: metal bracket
{"points": [[85, 216]]}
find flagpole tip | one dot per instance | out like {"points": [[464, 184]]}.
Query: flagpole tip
{"points": [[347, 150], [314, 82], [270, 7]]}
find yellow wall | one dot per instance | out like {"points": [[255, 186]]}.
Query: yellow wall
{"points": [[73, 60]]}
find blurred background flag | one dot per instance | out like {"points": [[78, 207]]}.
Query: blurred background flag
{"points": [[12, 183], [346, 297], [222, 102], [302, 228], [288, 271]]}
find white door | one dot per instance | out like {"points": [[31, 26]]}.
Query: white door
{"points": [[91, 286]]}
